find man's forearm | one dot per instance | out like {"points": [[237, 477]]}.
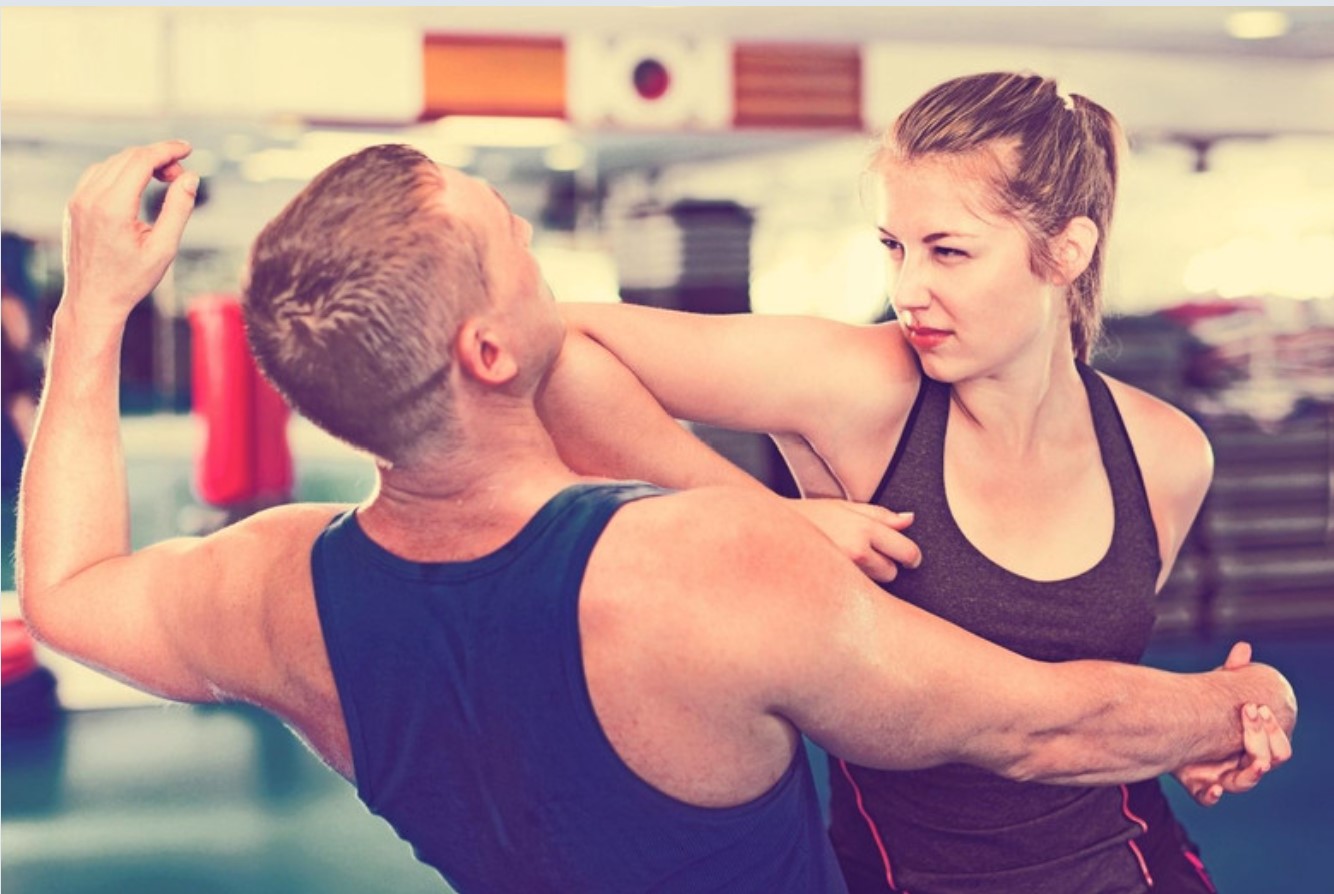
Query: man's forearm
{"points": [[73, 505], [1128, 722]]}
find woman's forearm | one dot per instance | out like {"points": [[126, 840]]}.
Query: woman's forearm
{"points": [[605, 422]]}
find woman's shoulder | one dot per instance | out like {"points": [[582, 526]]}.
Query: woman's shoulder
{"points": [[886, 362], [874, 378], [1173, 452]]}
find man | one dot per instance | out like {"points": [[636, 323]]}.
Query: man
{"points": [[544, 683]]}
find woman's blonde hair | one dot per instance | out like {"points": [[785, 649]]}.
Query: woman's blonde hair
{"points": [[1055, 158]]}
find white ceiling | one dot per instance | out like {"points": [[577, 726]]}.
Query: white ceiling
{"points": [[1191, 30], [1167, 72]]}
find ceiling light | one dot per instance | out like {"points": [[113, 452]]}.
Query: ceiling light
{"points": [[236, 146], [203, 162], [449, 154], [337, 143], [282, 164], [494, 167], [1257, 24], [565, 157], [473, 130]]}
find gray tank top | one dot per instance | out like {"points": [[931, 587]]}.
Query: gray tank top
{"points": [[958, 828]]}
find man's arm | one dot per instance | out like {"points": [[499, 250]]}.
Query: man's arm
{"points": [[80, 588], [885, 684]]}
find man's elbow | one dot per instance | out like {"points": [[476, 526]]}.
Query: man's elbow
{"points": [[43, 607], [35, 608]]}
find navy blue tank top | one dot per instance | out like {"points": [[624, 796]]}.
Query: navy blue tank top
{"points": [[960, 829], [474, 736]]}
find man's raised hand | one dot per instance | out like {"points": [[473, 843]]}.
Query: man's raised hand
{"points": [[112, 258]]}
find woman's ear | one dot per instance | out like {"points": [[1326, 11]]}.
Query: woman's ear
{"points": [[1072, 249], [482, 355]]}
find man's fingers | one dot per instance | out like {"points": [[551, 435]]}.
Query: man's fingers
{"points": [[176, 207], [169, 172], [159, 155], [89, 173], [1239, 656], [133, 168], [117, 184]]}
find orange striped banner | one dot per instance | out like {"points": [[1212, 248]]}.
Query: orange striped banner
{"points": [[502, 75]]}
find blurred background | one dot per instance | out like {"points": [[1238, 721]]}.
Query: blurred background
{"points": [[705, 158]]}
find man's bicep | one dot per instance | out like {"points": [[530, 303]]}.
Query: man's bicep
{"points": [[146, 618], [805, 636], [905, 689]]}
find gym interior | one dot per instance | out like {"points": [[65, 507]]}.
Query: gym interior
{"points": [[703, 158]]}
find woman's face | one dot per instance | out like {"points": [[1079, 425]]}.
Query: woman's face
{"points": [[960, 280]]}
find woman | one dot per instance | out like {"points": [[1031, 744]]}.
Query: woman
{"points": [[976, 410]]}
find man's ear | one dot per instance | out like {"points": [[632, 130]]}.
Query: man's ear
{"points": [[482, 354], [1072, 249]]}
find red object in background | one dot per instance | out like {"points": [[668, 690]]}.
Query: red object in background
{"points": [[245, 457], [651, 79], [1189, 312], [17, 658]]}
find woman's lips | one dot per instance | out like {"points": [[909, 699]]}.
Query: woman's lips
{"points": [[924, 338]]}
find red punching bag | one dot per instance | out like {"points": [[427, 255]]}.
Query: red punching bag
{"points": [[245, 456]]}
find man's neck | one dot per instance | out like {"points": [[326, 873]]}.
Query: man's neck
{"points": [[468, 501]]}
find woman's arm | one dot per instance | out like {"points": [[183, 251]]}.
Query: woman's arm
{"points": [[752, 372], [605, 422], [838, 392]]}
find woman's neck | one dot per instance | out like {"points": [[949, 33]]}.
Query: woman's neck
{"points": [[1018, 406]]}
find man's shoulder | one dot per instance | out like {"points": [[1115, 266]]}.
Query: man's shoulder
{"points": [[707, 567], [274, 538], [293, 518], [704, 543], [708, 517]]}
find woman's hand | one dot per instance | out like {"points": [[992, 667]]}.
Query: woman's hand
{"points": [[1265, 744], [1266, 748], [871, 536]]}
